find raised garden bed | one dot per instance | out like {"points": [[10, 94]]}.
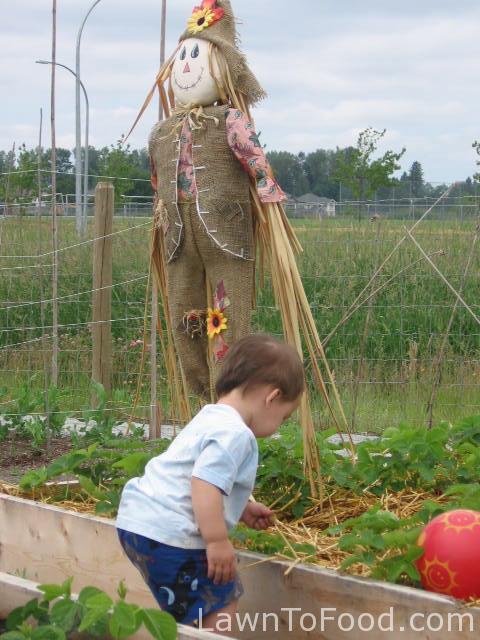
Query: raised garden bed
{"points": [[43, 543]]}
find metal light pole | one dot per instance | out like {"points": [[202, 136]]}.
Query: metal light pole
{"points": [[81, 216], [87, 128]]}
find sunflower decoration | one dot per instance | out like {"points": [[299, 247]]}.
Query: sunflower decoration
{"points": [[217, 322], [204, 16]]}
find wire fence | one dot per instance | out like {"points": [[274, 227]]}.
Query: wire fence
{"points": [[410, 352]]}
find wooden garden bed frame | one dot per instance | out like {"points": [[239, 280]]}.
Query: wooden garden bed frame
{"points": [[43, 543]]}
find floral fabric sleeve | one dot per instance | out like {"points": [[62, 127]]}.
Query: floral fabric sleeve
{"points": [[246, 146]]}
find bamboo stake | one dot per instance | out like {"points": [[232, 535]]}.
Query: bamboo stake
{"points": [[346, 318], [55, 347], [450, 286], [366, 331], [155, 416], [41, 274], [438, 360], [354, 304]]}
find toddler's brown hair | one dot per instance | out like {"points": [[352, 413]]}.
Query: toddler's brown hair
{"points": [[260, 359]]}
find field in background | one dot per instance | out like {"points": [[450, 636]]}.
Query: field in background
{"points": [[382, 357]]}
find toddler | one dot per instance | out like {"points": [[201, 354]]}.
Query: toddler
{"points": [[174, 521]]}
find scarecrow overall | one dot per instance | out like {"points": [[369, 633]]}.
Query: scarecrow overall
{"points": [[218, 213], [203, 157]]}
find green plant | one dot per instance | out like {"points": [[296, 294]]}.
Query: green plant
{"points": [[57, 615], [102, 469], [24, 414]]}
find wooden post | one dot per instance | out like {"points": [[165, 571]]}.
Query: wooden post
{"points": [[102, 283]]}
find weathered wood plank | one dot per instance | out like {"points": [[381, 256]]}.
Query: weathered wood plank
{"points": [[312, 590], [50, 544]]}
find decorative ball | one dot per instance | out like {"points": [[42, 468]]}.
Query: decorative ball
{"points": [[451, 562]]}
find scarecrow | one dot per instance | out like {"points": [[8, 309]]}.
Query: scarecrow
{"points": [[218, 215], [203, 157]]}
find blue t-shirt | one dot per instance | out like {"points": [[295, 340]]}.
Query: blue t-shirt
{"points": [[216, 446]]}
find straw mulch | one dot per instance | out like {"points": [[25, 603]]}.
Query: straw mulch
{"points": [[337, 507]]}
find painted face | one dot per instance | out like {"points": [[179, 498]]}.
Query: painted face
{"points": [[192, 82]]}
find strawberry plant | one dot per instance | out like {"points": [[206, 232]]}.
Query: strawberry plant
{"points": [[58, 615]]}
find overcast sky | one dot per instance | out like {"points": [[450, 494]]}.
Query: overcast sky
{"points": [[331, 68]]}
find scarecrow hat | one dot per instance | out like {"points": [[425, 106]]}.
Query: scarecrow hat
{"points": [[214, 21]]}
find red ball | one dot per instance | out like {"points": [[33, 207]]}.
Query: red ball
{"points": [[451, 562]]}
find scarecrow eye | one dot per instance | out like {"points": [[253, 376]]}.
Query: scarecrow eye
{"points": [[183, 55], [195, 51]]}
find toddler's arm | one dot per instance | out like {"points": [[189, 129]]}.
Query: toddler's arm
{"points": [[207, 504]]}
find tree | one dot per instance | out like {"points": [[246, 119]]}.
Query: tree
{"points": [[114, 162], [476, 146], [417, 180], [289, 172], [360, 172], [22, 181], [319, 167], [65, 175]]}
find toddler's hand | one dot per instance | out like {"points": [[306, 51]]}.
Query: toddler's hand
{"points": [[222, 561], [257, 516]]}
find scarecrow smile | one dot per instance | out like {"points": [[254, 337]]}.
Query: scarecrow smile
{"points": [[185, 87]]}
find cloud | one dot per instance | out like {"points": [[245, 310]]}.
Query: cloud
{"points": [[409, 67]]}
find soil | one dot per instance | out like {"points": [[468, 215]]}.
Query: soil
{"points": [[17, 456]]}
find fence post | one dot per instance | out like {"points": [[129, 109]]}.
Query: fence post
{"points": [[102, 283]]}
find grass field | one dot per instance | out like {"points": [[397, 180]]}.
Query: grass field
{"points": [[382, 356]]}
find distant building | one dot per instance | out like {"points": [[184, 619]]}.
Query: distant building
{"points": [[311, 206]]}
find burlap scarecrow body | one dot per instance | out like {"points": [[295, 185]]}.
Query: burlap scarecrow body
{"points": [[203, 158]]}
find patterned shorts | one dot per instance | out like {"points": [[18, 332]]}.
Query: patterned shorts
{"points": [[178, 578]]}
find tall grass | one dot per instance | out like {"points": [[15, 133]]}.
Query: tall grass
{"points": [[407, 323]]}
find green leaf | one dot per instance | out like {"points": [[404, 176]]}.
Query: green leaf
{"points": [[91, 619], [48, 633], [20, 614], [98, 605], [12, 635], [124, 621], [99, 601], [133, 464], [122, 590], [90, 487], [88, 592], [54, 591], [33, 479], [365, 557], [65, 614], [160, 624]]}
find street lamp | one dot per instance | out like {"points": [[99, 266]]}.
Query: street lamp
{"points": [[81, 217], [87, 127]]}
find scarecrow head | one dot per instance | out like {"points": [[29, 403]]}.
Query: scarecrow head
{"points": [[208, 63]]}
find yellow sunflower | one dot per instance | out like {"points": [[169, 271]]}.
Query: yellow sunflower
{"points": [[216, 323], [200, 20]]}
